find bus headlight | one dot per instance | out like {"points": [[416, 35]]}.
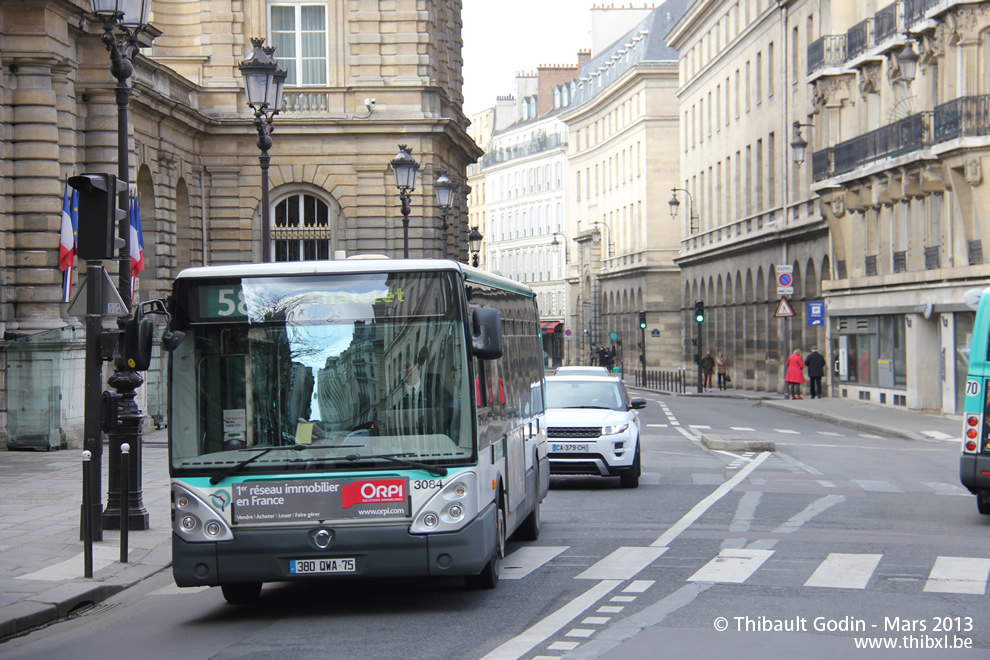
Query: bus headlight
{"points": [[194, 520], [451, 508]]}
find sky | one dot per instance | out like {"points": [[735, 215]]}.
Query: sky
{"points": [[503, 37]]}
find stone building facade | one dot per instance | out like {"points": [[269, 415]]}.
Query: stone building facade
{"points": [[370, 77]]}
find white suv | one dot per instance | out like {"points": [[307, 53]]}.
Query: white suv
{"points": [[593, 428]]}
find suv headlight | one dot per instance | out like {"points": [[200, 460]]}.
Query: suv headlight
{"points": [[615, 428]]}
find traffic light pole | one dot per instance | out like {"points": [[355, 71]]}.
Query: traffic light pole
{"points": [[701, 383], [92, 432]]}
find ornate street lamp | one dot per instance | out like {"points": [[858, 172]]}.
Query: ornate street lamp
{"points": [[123, 23], [907, 62], [799, 145], [675, 205], [405, 168], [445, 197], [555, 243], [475, 239], [263, 82]]}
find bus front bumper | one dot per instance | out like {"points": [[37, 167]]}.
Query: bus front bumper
{"points": [[263, 555]]}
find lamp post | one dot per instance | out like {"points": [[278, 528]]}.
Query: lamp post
{"points": [[263, 82], [405, 168], [475, 239], [608, 243], [799, 145], [445, 196], [555, 243], [130, 18], [907, 62], [675, 205]]}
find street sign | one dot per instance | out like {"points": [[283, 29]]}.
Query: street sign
{"points": [[567, 332], [654, 333], [784, 279], [816, 312], [613, 335], [113, 304], [783, 268], [784, 308], [785, 291]]}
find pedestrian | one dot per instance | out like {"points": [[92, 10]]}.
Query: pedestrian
{"points": [[602, 355], [816, 370], [722, 369], [794, 376], [707, 366]]}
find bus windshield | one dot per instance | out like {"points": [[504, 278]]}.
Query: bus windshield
{"points": [[351, 370]]}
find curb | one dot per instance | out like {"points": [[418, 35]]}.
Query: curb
{"points": [[845, 421], [736, 443]]}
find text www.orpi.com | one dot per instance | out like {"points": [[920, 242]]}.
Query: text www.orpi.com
{"points": [[914, 642], [383, 512]]}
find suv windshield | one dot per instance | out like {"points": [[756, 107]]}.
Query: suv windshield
{"points": [[338, 366], [585, 394]]}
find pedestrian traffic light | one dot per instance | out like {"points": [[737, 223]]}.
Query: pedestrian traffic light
{"points": [[699, 311], [98, 214], [696, 358], [642, 320]]}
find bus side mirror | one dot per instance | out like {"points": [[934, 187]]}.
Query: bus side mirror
{"points": [[486, 334], [138, 337]]}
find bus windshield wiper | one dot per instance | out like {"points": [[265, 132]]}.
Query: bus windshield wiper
{"points": [[223, 474], [396, 458]]}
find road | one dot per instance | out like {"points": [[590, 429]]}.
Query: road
{"points": [[836, 539]]}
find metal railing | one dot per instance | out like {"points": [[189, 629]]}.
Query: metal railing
{"points": [[966, 116], [828, 51], [534, 146], [859, 38], [904, 136], [887, 23], [821, 164], [666, 381]]}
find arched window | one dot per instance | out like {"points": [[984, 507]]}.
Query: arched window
{"points": [[302, 229]]}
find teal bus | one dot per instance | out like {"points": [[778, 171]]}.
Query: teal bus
{"points": [[351, 419], [974, 466]]}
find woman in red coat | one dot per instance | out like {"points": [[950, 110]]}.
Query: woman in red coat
{"points": [[794, 376]]}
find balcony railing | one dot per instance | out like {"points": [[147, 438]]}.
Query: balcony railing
{"points": [[821, 164], [886, 23], [859, 38], [534, 146], [904, 136], [966, 116], [827, 51], [914, 10]]}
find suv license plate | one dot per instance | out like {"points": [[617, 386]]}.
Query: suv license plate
{"points": [[569, 447], [304, 566]]}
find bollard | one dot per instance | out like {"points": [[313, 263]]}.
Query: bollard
{"points": [[87, 517], [125, 468]]}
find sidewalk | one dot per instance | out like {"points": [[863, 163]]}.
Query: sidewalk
{"points": [[41, 556]]}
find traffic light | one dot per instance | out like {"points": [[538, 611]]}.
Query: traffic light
{"points": [[642, 320], [98, 214], [699, 311]]}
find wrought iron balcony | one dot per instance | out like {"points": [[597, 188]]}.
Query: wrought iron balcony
{"points": [[821, 164], [886, 23], [914, 10], [828, 51], [904, 136], [859, 38], [966, 116]]}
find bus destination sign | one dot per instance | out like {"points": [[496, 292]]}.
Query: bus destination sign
{"points": [[320, 499]]}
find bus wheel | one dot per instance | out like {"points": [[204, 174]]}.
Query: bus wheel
{"points": [[983, 502], [488, 577], [529, 530], [241, 593]]}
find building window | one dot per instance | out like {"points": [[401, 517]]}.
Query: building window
{"points": [[299, 34], [302, 229]]}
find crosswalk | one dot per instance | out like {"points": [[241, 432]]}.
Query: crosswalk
{"points": [[836, 570]]}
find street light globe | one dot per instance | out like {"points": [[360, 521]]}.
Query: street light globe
{"points": [[674, 204], [405, 169], [445, 190]]}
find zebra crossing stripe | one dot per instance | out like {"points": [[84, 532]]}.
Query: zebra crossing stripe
{"points": [[844, 571], [622, 564], [527, 559], [958, 575], [733, 565]]}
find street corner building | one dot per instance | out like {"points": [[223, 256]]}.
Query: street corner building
{"points": [[361, 79]]}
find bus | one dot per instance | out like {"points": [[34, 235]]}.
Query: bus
{"points": [[974, 465], [357, 418]]}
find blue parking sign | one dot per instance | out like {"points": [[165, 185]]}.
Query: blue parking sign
{"points": [[816, 312]]}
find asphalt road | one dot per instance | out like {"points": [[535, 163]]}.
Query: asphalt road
{"points": [[836, 538]]}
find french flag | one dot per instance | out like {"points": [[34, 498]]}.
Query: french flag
{"points": [[137, 239], [67, 239]]}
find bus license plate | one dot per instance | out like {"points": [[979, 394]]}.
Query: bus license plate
{"points": [[570, 448], [304, 566]]}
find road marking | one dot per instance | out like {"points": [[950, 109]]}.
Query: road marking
{"points": [[639, 586], [622, 599], [527, 559], [610, 609], [596, 620], [787, 431], [874, 486], [820, 505], [741, 428], [523, 643], [947, 489], [938, 435], [622, 564], [699, 509], [699, 426], [830, 433], [732, 565], [563, 646], [844, 571], [958, 575], [658, 426], [826, 484], [870, 435], [579, 632], [745, 511]]}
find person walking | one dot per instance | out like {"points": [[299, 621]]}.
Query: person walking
{"points": [[816, 370], [707, 366], [722, 369], [794, 376]]}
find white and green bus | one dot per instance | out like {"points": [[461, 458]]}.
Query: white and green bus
{"points": [[352, 419]]}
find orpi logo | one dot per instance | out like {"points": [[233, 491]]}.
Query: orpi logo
{"points": [[368, 492]]}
